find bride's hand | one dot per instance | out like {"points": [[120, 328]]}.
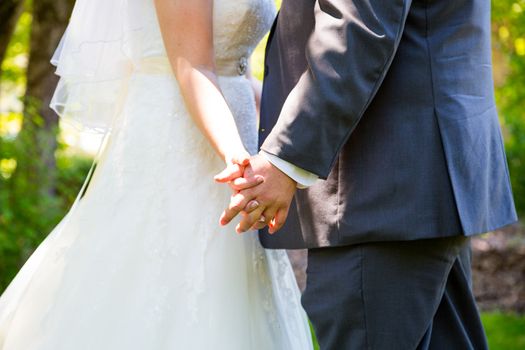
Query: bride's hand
{"points": [[236, 163]]}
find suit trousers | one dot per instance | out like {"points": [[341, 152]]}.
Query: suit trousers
{"points": [[400, 295]]}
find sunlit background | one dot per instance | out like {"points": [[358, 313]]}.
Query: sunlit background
{"points": [[43, 164]]}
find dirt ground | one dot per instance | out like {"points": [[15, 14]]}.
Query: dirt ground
{"points": [[498, 266]]}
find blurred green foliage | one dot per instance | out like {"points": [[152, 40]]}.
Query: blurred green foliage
{"points": [[14, 64], [26, 220], [26, 214], [508, 19]]}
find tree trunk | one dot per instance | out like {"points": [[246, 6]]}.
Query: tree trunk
{"points": [[10, 11], [37, 141]]}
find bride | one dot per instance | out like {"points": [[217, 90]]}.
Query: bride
{"points": [[140, 261]]}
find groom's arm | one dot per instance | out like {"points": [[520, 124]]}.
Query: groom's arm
{"points": [[348, 54]]}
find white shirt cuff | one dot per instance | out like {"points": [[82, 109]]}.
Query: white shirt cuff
{"points": [[303, 178]]}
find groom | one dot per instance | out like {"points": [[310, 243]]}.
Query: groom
{"points": [[382, 113]]}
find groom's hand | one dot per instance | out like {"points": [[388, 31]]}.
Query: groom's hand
{"points": [[272, 198]]}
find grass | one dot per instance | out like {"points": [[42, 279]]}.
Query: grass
{"points": [[316, 345], [504, 331]]}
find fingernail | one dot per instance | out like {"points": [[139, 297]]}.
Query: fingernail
{"points": [[253, 205]]}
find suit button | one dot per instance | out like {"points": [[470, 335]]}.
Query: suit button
{"points": [[263, 130]]}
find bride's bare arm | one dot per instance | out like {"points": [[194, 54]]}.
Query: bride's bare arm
{"points": [[187, 30]]}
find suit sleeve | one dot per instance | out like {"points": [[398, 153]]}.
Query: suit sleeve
{"points": [[348, 54]]}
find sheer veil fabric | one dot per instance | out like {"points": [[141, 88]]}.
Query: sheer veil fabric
{"points": [[96, 57], [140, 262]]}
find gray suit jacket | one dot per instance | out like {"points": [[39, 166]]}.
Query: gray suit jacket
{"points": [[391, 103]]}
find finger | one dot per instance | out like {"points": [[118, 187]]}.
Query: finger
{"points": [[237, 203], [242, 183], [260, 225], [280, 218], [249, 220], [251, 206], [270, 213], [242, 159], [232, 172]]}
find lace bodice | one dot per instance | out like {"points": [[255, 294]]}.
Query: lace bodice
{"points": [[238, 27]]}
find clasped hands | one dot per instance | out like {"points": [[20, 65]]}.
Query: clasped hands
{"points": [[261, 194]]}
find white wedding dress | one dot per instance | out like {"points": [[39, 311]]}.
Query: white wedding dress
{"points": [[140, 261]]}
